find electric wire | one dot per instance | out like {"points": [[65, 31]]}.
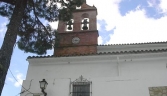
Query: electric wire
{"points": [[20, 84]]}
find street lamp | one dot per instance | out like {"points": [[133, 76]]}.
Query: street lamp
{"points": [[43, 85]]}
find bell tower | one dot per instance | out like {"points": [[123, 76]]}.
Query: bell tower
{"points": [[79, 35]]}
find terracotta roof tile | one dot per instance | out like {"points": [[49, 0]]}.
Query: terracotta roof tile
{"points": [[163, 42], [105, 53]]}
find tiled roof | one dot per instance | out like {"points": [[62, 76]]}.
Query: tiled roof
{"points": [[163, 42], [106, 53]]}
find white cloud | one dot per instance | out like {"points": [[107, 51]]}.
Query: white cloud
{"points": [[100, 40], [19, 78], [135, 26], [163, 6], [108, 10], [10, 79], [150, 4], [98, 26], [54, 25]]}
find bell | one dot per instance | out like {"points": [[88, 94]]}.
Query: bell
{"points": [[85, 27], [69, 27], [85, 22], [78, 5]]}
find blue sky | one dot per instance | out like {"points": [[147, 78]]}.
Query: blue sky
{"points": [[119, 21]]}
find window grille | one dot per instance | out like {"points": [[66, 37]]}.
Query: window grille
{"points": [[81, 87]]}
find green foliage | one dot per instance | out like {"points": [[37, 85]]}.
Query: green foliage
{"points": [[6, 10], [36, 40], [34, 36]]}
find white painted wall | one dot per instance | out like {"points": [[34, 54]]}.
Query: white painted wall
{"points": [[111, 75]]}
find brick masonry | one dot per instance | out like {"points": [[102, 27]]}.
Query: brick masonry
{"points": [[87, 43], [75, 50], [88, 38]]}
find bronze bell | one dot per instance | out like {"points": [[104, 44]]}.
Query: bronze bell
{"points": [[69, 27], [85, 22], [85, 27]]}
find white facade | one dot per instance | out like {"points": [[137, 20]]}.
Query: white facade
{"points": [[127, 70]]}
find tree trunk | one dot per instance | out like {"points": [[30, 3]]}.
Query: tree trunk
{"points": [[10, 39]]}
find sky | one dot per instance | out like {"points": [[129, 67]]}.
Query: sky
{"points": [[118, 22]]}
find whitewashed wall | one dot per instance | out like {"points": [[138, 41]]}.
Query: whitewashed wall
{"points": [[111, 75]]}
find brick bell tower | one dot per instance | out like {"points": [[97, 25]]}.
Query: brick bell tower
{"points": [[80, 34]]}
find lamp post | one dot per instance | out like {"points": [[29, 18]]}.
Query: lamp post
{"points": [[43, 85]]}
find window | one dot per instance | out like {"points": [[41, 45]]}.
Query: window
{"points": [[81, 87]]}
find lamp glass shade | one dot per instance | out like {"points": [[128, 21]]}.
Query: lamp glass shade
{"points": [[43, 84]]}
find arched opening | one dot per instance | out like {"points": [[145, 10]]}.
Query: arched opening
{"points": [[85, 24], [85, 21], [69, 25]]}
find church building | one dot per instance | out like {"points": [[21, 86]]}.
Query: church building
{"points": [[81, 67]]}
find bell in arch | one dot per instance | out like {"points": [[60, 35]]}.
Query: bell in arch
{"points": [[69, 27], [85, 22], [69, 23]]}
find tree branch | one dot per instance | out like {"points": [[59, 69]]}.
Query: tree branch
{"points": [[38, 18]]}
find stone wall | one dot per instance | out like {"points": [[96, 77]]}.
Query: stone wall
{"points": [[158, 91]]}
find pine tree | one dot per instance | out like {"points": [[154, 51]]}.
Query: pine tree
{"points": [[25, 21]]}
